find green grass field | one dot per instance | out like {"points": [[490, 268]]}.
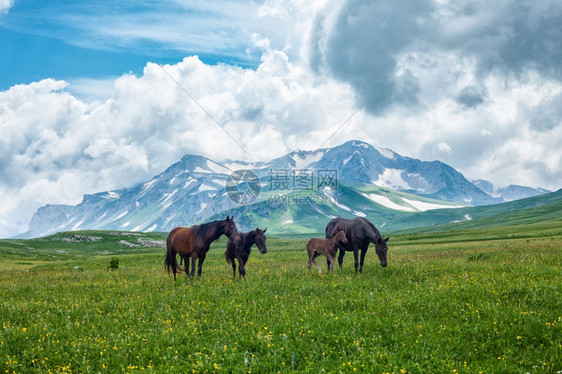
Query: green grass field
{"points": [[472, 301]]}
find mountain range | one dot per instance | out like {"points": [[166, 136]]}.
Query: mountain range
{"points": [[296, 193]]}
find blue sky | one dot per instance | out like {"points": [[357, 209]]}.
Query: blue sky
{"points": [[97, 40], [38, 44], [99, 95]]}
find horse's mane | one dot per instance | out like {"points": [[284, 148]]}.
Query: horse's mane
{"points": [[377, 233], [202, 229], [247, 237], [251, 235], [372, 227]]}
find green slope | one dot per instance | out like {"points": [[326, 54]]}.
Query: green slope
{"points": [[543, 208], [75, 245], [310, 211]]}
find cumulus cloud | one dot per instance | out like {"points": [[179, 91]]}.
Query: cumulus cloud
{"points": [[56, 147], [364, 41], [477, 76]]}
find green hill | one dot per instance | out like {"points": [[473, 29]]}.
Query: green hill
{"points": [[309, 212], [543, 208]]}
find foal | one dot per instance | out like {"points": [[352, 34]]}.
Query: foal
{"points": [[327, 247]]}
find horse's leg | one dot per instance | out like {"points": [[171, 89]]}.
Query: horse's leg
{"points": [[340, 257], [309, 264], [356, 257], [193, 260], [309, 252], [363, 253], [233, 262], [200, 264], [331, 261], [241, 267], [186, 264], [316, 254]]}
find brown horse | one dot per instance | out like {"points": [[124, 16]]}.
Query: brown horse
{"points": [[327, 247], [194, 242]]}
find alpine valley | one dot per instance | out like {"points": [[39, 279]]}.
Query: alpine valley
{"points": [[296, 193]]}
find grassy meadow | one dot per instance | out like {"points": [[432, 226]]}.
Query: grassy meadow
{"points": [[473, 301]]}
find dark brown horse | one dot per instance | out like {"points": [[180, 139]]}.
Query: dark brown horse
{"points": [[194, 243], [327, 247], [360, 233], [241, 251]]}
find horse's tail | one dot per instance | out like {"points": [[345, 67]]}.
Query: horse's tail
{"points": [[170, 261], [227, 258], [329, 228]]}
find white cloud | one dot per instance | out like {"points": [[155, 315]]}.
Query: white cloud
{"points": [[56, 147], [5, 5], [443, 147]]}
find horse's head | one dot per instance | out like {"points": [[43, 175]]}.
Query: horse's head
{"points": [[341, 236], [381, 248], [260, 240], [229, 229]]}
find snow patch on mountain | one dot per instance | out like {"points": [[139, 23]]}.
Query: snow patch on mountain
{"points": [[123, 214], [386, 152], [189, 182], [149, 184], [217, 168], [423, 206], [356, 143], [303, 161], [167, 199], [330, 194], [111, 195], [139, 227], [349, 158], [203, 206], [77, 225], [205, 187], [386, 202], [392, 178]]}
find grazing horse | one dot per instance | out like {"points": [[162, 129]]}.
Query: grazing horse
{"points": [[241, 251], [360, 233], [327, 247], [194, 242]]}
